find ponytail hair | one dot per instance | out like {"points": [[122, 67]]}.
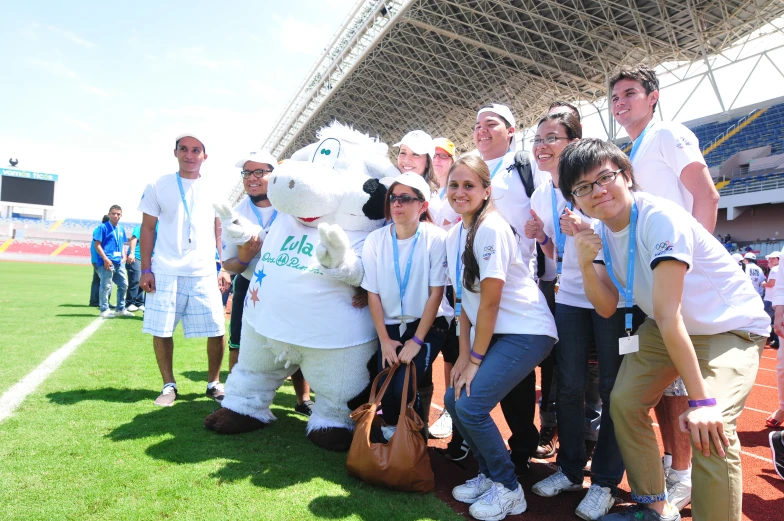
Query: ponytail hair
{"points": [[471, 265]]}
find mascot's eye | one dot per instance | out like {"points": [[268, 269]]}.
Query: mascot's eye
{"points": [[327, 153]]}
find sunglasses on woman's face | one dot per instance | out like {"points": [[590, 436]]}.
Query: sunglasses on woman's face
{"points": [[402, 199]]}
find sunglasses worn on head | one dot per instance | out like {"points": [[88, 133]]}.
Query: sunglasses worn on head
{"points": [[602, 180], [403, 199], [258, 173]]}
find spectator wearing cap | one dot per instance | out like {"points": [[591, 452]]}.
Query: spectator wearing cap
{"points": [[754, 272], [416, 155], [494, 139], [108, 240], [240, 260], [770, 291], [180, 279]]}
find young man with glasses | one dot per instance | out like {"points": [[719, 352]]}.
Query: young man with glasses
{"points": [[180, 278], [668, 163], [240, 260], [706, 323]]}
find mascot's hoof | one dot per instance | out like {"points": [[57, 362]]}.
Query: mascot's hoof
{"points": [[336, 439], [225, 421]]}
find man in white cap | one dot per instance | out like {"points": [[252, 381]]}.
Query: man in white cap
{"points": [[180, 279], [754, 272], [257, 166], [770, 292]]}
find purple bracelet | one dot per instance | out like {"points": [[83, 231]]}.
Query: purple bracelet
{"points": [[243, 263], [707, 402], [145, 272], [477, 355], [417, 341]]}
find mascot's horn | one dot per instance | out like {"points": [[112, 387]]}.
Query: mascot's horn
{"points": [[374, 207]]}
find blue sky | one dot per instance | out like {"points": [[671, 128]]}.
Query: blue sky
{"points": [[96, 91]]}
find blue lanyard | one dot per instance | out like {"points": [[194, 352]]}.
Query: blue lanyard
{"points": [[458, 281], [497, 167], [442, 193], [256, 212], [116, 235], [402, 284], [560, 238], [637, 141], [185, 204], [629, 291]]}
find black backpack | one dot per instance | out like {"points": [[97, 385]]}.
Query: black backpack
{"points": [[522, 163]]}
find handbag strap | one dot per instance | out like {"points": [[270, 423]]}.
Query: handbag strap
{"points": [[375, 395], [410, 370]]}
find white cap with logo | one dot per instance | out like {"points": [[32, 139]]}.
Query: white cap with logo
{"points": [[506, 113], [419, 142], [750, 256], [258, 156]]}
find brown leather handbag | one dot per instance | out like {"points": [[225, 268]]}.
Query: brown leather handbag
{"points": [[402, 463]]}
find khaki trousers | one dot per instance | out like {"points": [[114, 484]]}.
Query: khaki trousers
{"points": [[728, 363]]}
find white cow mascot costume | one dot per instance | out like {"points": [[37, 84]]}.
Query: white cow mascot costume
{"points": [[298, 310]]}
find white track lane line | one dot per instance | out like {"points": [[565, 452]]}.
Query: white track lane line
{"points": [[14, 396]]}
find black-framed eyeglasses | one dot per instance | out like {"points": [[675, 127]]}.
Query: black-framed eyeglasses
{"points": [[602, 180], [403, 199], [260, 173], [549, 140]]}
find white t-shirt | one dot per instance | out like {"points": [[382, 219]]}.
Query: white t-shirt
{"points": [[666, 149], [514, 205], [570, 291], [428, 268], [174, 255], [756, 276], [523, 308], [244, 209], [290, 299], [717, 295], [771, 292]]}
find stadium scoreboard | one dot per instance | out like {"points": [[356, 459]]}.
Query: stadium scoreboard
{"points": [[20, 187]]}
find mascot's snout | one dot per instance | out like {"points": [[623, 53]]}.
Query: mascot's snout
{"points": [[306, 191]]}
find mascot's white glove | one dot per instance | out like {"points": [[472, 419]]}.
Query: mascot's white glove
{"points": [[235, 228], [334, 252]]}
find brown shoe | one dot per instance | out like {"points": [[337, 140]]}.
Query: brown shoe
{"points": [[167, 396], [548, 440]]}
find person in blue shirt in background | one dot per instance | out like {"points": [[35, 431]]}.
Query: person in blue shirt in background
{"points": [[108, 240]]}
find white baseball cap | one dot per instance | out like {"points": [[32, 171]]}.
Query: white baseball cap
{"points": [[737, 257], [194, 136], [409, 179], [419, 142], [773, 255], [502, 110], [258, 156], [750, 256]]}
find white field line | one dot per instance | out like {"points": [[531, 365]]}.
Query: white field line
{"points": [[14, 396]]}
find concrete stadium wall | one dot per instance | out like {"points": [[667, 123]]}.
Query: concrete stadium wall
{"points": [[759, 222]]}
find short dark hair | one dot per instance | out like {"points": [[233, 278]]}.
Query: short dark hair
{"points": [[572, 125], [585, 155], [641, 73], [115, 207], [568, 105]]}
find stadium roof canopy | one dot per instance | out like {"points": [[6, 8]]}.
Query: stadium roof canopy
{"points": [[398, 65]]}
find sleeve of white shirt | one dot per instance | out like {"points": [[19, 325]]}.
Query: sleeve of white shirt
{"points": [[369, 256], [437, 254], [666, 240], [149, 203], [680, 148], [493, 251]]}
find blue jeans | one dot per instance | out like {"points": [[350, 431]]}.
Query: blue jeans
{"points": [[118, 276], [135, 295], [771, 311], [578, 330], [509, 359], [593, 405]]}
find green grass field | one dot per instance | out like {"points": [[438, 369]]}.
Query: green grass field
{"points": [[89, 444]]}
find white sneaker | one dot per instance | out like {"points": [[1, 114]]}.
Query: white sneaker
{"points": [[678, 492], [499, 502], [472, 490], [108, 314], [442, 427], [596, 503], [140, 308], [388, 431], [555, 484], [123, 313], [132, 308]]}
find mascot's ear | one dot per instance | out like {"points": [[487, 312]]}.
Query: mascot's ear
{"points": [[374, 207]]}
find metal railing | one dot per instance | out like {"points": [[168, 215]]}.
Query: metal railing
{"points": [[774, 182]]}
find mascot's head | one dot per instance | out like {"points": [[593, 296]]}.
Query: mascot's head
{"points": [[335, 181]]}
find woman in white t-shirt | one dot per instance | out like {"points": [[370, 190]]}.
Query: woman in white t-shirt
{"points": [[580, 328], [710, 327], [405, 274], [505, 330]]}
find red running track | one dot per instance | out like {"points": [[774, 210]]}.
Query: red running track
{"points": [[763, 490]]}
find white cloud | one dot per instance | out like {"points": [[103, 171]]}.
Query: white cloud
{"points": [[193, 55], [300, 36], [56, 68], [69, 35]]}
